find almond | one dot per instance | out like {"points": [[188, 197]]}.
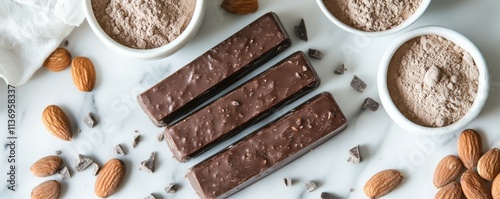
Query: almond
{"points": [[46, 166], [109, 178], [447, 170], [469, 148], [382, 183], [450, 191], [240, 6], [83, 73], [47, 190], [474, 186], [58, 60], [495, 187], [56, 121], [488, 165]]}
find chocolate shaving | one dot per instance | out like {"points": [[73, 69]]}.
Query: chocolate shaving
{"points": [[310, 186], [90, 120], [316, 54], [160, 137], [325, 195], [149, 164], [301, 30], [58, 152], [64, 173], [96, 168], [340, 70], [150, 196], [171, 188], [288, 181], [119, 150], [136, 140], [371, 104], [354, 155], [358, 84], [82, 163]]}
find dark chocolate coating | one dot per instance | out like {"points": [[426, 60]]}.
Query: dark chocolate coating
{"points": [[215, 70], [282, 83], [268, 149]]}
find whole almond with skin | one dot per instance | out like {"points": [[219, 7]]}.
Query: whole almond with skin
{"points": [[109, 178], [474, 186], [240, 6], [469, 148], [56, 121], [83, 73], [450, 191], [46, 166], [495, 187], [488, 165], [447, 170], [47, 190], [58, 60], [382, 183]]}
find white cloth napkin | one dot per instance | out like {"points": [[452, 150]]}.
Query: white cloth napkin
{"points": [[30, 30]]}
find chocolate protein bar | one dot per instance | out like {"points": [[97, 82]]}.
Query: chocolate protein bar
{"points": [[268, 149], [215, 70], [259, 97]]}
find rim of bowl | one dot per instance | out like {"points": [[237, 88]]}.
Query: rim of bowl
{"points": [[421, 9], [152, 53], [458, 39]]}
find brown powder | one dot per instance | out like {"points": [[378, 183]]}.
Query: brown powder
{"points": [[143, 24], [432, 81], [372, 15]]}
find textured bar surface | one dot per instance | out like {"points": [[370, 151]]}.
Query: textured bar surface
{"points": [[282, 83], [268, 149], [215, 70]]}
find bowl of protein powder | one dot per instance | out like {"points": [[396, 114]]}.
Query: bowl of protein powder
{"points": [[433, 80], [371, 17]]}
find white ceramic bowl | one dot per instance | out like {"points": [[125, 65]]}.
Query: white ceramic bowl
{"points": [[460, 40], [154, 53], [423, 6]]}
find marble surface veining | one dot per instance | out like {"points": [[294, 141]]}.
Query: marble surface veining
{"points": [[383, 143]]}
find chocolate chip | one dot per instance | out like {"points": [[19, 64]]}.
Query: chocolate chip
{"points": [[288, 181], [354, 155], [118, 150], [160, 137], [371, 104], [136, 140], [310, 186], [358, 84], [58, 152], [301, 30], [340, 70], [325, 195], [150, 196], [149, 164], [171, 188], [90, 120], [82, 163], [96, 168], [64, 173], [316, 54]]}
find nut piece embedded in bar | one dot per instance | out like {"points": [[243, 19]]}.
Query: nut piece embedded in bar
{"points": [[267, 149], [215, 70], [257, 98]]}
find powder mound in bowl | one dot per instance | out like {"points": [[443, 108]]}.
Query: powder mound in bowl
{"points": [[143, 24], [372, 15], [432, 81]]}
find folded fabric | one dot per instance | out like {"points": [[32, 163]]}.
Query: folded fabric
{"points": [[30, 30]]}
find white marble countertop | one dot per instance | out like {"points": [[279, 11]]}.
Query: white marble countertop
{"points": [[383, 143]]}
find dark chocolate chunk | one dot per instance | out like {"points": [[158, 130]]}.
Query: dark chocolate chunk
{"points": [[96, 168], [301, 30], [257, 98], [310, 186], [354, 155], [136, 140], [316, 54], [149, 164], [160, 137], [358, 84], [325, 195], [118, 150], [64, 173], [288, 181], [90, 120], [371, 104], [150, 196], [215, 70], [58, 152], [66, 43], [171, 188], [268, 149], [82, 163], [340, 70]]}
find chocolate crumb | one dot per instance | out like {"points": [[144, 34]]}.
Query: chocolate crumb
{"points": [[288, 181], [66, 43], [150, 196], [171, 188], [136, 141], [119, 150], [351, 190], [340, 70], [136, 131], [235, 103], [160, 137], [354, 155], [64, 173], [96, 168], [325, 195], [79, 130], [149, 164], [316, 54], [58, 152], [82, 163], [310, 186], [371, 104], [301, 30], [90, 120], [358, 84]]}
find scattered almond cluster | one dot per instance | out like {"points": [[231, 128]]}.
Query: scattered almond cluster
{"points": [[472, 182]]}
